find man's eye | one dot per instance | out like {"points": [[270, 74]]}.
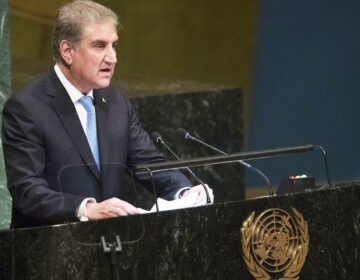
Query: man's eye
{"points": [[100, 46]]}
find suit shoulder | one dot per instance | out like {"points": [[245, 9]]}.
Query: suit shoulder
{"points": [[35, 88], [31, 98]]}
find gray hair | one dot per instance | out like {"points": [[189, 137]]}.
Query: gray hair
{"points": [[73, 17]]}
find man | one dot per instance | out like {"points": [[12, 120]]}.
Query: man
{"points": [[65, 158]]}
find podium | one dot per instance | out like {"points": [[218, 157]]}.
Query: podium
{"points": [[195, 243]]}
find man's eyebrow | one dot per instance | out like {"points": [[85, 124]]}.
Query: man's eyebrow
{"points": [[96, 42], [103, 41]]}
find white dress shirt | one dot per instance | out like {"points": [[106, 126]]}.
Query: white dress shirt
{"points": [[75, 96]]}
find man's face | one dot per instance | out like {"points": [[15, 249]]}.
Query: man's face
{"points": [[94, 57]]}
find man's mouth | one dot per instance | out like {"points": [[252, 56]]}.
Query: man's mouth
{"points": [[105, 70]]}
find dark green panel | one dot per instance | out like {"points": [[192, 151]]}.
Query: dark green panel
{"points": [[162, 42], [4, 93]]}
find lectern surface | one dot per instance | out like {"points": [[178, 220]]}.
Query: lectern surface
{"points": [[197, 243]]}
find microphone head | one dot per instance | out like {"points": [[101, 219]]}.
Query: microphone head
{"points": [[182, 132], [156, 136]]}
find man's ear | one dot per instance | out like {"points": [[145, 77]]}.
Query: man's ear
{"points": [[66, 51]]}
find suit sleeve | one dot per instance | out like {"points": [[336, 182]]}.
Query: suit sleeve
{"points": [[142, 150], [25, 158]]}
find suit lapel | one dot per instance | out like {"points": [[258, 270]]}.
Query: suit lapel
{"points": [[66, 112], [102, 113]]}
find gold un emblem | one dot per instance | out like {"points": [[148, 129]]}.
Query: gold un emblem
{"points": [[275, 244]]}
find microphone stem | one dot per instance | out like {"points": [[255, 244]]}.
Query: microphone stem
{"points": [[169, 149], [262, 175], [205, 144], [208, 200], [154, 189], [326, 164]]}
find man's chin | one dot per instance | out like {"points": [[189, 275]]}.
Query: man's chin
{"points": [[102, 84]]}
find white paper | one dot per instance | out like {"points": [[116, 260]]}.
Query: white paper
{"points": [[191, 200]]}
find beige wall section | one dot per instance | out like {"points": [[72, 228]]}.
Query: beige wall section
{"points": [[163, 42]]}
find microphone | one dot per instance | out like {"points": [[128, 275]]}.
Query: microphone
{"points": [[185, 134], [156, 136]]}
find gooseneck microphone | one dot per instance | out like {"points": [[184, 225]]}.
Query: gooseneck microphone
{"points": [[185, 134], [156, 136]]}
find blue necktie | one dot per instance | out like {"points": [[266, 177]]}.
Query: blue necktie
{"points": [[91, 132]]}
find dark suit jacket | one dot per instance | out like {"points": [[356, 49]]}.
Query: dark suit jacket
{"points": [[49, 165]]}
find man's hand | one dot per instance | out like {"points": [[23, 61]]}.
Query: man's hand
{"points": [[200, 191], [110, 208]]}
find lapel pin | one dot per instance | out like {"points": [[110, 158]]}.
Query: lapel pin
{"points": [[103, 100]]}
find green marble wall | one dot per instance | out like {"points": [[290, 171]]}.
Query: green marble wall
{"points": [[4, 92]]}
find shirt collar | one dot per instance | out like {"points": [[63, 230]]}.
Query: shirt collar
{"points": [[73, 92]]}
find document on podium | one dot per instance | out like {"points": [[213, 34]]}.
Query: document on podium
{"points": [[191, 200]]}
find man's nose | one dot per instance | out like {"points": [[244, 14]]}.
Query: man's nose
{"points": [[110, 56]]}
